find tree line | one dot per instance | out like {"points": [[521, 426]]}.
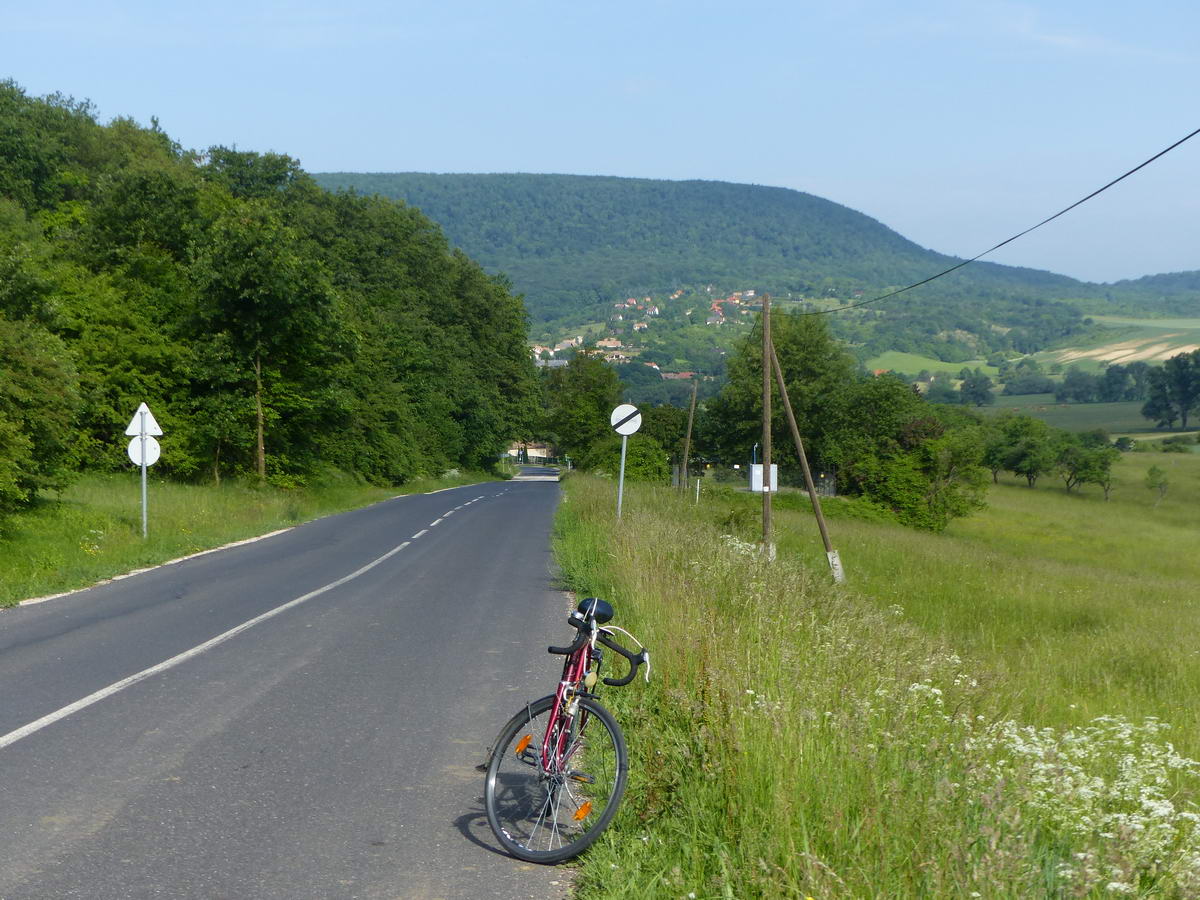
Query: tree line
{"points": [[919, 462], [274, 328]]}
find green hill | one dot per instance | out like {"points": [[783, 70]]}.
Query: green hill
{"points": [[567, 238], [573, 245]]}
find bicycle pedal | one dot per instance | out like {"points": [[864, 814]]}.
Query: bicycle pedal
{"points": [[580, 776]]}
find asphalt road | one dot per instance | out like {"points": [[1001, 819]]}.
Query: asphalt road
{"points": [[326, 751]]}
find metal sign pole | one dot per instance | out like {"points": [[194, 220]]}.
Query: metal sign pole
{"points": [[621, 479], [142, 416], [625, 420]]}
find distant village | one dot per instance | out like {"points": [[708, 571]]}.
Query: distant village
{"points": [[632, 317]]}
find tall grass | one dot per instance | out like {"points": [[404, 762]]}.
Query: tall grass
{"points": [[93, 530], [804, 740], [1080, 607]]}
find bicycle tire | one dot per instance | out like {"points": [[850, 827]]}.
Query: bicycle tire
{"points": [[548, 817]]}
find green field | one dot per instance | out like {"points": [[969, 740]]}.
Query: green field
{"points": [[967, 716], [1079, 607], [912, 364], [1115, 418], [1121, 339]]}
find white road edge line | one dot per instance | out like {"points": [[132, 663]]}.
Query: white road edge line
{"points": [[435, 522], [419, 533], [13, 736]]}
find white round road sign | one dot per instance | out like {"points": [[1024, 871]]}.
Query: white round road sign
{"points": [[153, 450], [626, 419]]}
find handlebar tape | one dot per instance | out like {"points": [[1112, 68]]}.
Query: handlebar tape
{"points": [[635, 660], [580, 639]]}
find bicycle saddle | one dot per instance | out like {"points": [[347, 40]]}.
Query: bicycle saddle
{"points": [[594, 606]]}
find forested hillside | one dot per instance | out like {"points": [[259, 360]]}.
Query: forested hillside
{"points": [[274, 328], [574, 244]]}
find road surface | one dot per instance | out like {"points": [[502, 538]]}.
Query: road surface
{"points": [[299, 717]]}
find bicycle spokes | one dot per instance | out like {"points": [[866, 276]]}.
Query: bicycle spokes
{"points": [[552, 789]]}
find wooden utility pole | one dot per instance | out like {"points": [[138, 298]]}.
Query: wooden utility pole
{"points": [[687, 442], [766, 428], [835, 563]]}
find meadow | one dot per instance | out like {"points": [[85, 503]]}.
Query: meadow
{"points": [[1115, 418], [1122, 339], [913, 363], [93, 529], [991, 712]]}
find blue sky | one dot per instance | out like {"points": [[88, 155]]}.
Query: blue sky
{"points": [[956, 123]]}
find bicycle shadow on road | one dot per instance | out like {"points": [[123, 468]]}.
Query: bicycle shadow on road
{"points": [[473, 825]]}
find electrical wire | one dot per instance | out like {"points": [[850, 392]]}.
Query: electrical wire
{"points": [[966, 262]]}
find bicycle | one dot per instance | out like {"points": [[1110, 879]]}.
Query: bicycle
{"points": [[557, 771]]}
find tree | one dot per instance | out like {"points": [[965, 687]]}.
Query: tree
{"points": [[1174, 390], [580, 397], [271, 299], [1156, 480], [38, 400], [667, 425], [1078, 387], [977, 389], [1029, 449], [645, 459], [1080, 462], [942, 391], [817, 371], [1102, 474]]}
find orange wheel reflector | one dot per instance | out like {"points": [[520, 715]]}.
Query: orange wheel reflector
{"points": [[582, 812], [523, 743]]}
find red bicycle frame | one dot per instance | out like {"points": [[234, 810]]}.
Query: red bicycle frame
{"points": [[556, 749]]}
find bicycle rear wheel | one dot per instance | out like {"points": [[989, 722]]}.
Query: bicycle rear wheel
{"points": [[548, 815]]}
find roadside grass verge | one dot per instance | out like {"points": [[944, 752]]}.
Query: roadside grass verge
{"points": [[801, 740], [93, 529]]}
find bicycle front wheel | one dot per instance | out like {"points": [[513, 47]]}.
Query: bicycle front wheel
{"points": [[550, 813]]}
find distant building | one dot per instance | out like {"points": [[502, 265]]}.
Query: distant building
{"points": [[568, 343], [609, 344]]}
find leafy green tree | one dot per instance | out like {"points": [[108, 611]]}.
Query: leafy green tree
{"points": [[645, 459], [272, 301], [1101, 473], [1156, 480], [38, 401], [976, 389], [1028, 447], [1080, 462], [1078, 386], [890, 448], [942, 391], [817, 371], [667, 425], [580, 398], [1174, 390]]}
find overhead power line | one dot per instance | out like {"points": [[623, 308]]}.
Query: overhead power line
{"points": [[966, 262]]}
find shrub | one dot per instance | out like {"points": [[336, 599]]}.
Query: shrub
{"points": [[645, 459]]}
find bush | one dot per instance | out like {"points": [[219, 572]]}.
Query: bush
{"points": [[645, 459]]}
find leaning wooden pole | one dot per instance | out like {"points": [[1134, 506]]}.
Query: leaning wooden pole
{"points": [[835, 563], [687, 442], [766, 427]]}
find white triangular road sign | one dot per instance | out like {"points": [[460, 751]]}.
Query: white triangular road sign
{"points": [[135, 426]]}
